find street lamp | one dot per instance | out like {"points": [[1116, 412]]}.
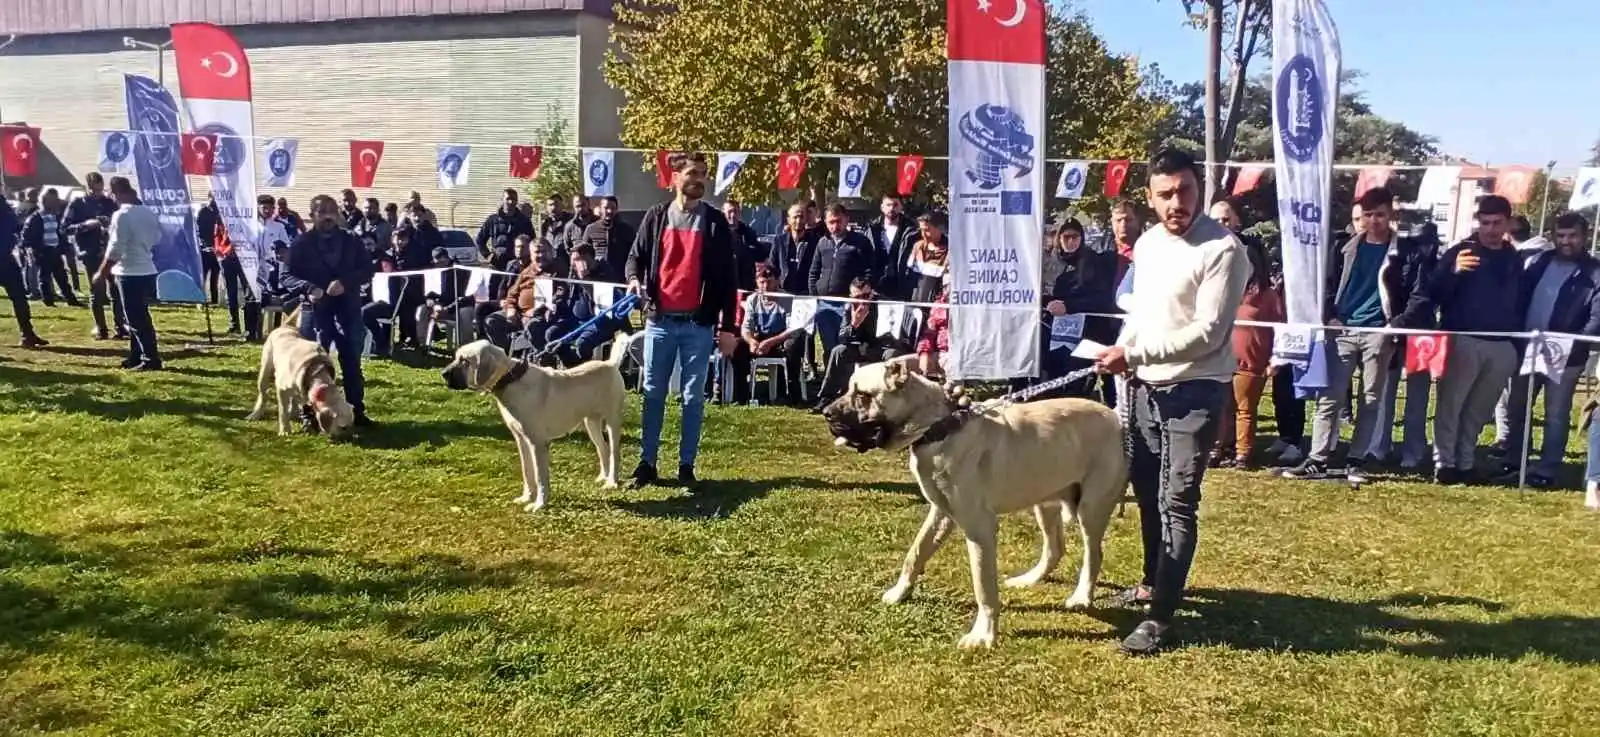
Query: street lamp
{"points": [[129, 42]]}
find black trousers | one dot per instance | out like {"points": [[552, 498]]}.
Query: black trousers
{"points": [[70, 255], [138, 293], [11, 281], [210, 271], [233, 276], [842, 362], [53, 275], [499, 329], [410, 298], [1172, 429], [1289, 411], [792, 351], [382, 334]]}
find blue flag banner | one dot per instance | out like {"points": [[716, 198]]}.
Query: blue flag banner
{"points": [[153, 118]]}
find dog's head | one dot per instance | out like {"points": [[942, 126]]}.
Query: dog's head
{"points": [[885, 407], [334, 414], [477, 366]]}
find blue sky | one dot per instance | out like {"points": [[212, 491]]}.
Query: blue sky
{"points": [[1500, 83]]}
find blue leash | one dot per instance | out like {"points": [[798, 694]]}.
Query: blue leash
{"points": [[617, 310]]}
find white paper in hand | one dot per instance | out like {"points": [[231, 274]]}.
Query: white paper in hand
{"points": [[1088, 350], [1065, 331], [890, 318]]}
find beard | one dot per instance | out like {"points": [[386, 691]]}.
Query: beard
{"points": [[694, 190]]}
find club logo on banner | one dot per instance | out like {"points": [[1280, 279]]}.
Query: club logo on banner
{"points": [[454, 165], [1305, 71], [852, 174], [116, 152], [158, 164], [729, 164], [599, 174], [997, 55], [277, 157], [1074, 174], [1585, 189]]}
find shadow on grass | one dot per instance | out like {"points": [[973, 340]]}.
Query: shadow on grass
{"points": [[719, 499], [403, 434]]}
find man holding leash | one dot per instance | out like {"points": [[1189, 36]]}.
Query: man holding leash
{"points": [[683, 266], [334, 263], [1189, 277]]}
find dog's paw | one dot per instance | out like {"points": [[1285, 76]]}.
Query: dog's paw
{"points": [[897, 593], [977, 641], [1078, 602], [534, 506], [1024, 580]]}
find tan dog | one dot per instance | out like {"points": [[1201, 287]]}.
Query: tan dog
{"points": [[303, 374], [1054, 456], [540, 405]]}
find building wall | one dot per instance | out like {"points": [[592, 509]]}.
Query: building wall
{"points": [[600, 120], [72, 16], [489, 81]]}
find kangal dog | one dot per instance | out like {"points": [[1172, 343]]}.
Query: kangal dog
{"points": [[1062, 455], [303, 374]]}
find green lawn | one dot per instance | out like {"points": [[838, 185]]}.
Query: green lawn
{"points": [[167, 568]]}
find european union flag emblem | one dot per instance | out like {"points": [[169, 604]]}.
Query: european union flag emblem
{"points": [[1016, 203]]}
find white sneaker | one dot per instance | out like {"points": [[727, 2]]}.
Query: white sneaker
{"points": [[1592, 498], [1291, 456]]}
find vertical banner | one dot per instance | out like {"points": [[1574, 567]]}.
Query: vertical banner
{"points": [[1305, 95], [214, 79], [158, 166], [997, 120]]}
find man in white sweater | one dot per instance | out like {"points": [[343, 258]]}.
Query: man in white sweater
{"points": [[1189, 276], [135, 231]]}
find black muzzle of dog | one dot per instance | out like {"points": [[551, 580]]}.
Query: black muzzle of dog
{"points": [[863, 434], [454, 376]]}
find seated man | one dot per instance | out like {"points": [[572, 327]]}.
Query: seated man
{"points": [[520, 310], [766, 334], [452, 303], [282, 290], [573, 310], [378, 315], [858, 343], [500, 283]]}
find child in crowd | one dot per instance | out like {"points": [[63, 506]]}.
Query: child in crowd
{"points": [[935, 340]]}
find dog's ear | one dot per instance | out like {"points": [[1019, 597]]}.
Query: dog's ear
{"points": [[481, 368], [895, 374]]}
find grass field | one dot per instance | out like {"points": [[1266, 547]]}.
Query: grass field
{"points": [[167, 568]]}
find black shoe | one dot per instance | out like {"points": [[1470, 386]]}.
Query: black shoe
{"points": [[686, 478], [1133, 597], [33, 341], [643, 475], [129, 363], [1447, 476], [1356, 470], [149, 366], [362, 420], [1310, 470], [101, 335], [1147, 638]]}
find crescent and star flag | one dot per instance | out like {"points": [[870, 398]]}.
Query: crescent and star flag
{"points": [[663, 168], [116, 153], [199, 154], [278, 158], [365, 156], [214, 80], [454, 165], [158, 164], [1585, 188], [1427, 353], [1306, 63], [1074, 174], [997, 127], [1371, 177], [1116, 175], [852, 174], [790, 166], [599, 173], [1515, 183], [907, 168], [525, 161], [1249, 178], [729, 164], [19, 149]]}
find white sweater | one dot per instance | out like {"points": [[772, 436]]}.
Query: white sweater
{"points": [[1186, 293]]}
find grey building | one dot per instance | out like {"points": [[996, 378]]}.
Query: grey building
{"points": [[413, 73]]}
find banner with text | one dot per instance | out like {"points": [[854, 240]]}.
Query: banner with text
{"points": [[153, 118], [997, 120]]}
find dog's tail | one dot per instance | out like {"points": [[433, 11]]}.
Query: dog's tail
{"points": [[620, 347]]}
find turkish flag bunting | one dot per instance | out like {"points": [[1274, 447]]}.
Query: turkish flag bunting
{"points": [[1427, 353], [663, 169], [1249, 178], [526, 160], [199, 154], [19, 150], [1514, 183], [790, 166], [364, 159], [1371, 178], [909, 167], [1116, 174]]}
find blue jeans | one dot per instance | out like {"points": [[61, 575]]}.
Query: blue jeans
{"points": [[338, 324], [138, 293], [684, 343], [1591, 471], [830, 318]]}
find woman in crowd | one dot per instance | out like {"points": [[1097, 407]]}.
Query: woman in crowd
{"points": [[1253, 347], [935, 340]]}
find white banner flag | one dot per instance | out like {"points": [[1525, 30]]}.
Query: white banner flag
{"points": [[1305, 67], [1546, 355], [852, 174], [278, 158], [116, 152], [1074, 174], [1439, 186], [454, 165], [729, 164], [997, 123], [1585, 188], [599, 174]]}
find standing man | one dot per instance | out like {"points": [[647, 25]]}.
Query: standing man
{"points": [[1126, 227], [893, 237], [135, 231], [45, 238], [746, 247], [792, 253], [11, 277], [334, 263], [506, 222], [842, 257], [88, 223], [610, 239], [682, 265], [1189, 277], [206, 222]]}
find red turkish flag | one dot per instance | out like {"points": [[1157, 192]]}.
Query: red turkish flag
{"points": [[199, 154], [364, 159], [1116, 174], [19, 150], [909, 167], [1371, 178], [663, 169], [994, 30], [790, 166], [1427, 353], [1514, 183], [211, 63], [1249, 178], [526, 160]]}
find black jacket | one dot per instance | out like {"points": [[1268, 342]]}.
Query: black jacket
{"points": [[747, 249], [791, 258], [865, 335], [90, 240], [719, 285], [44, 230], [1577, 308], [841, 260], [321, 258], [9, 227], [425, 237], [1405, 267], [611, 242], [1085, 281], [500, 224], [893, 279], [205, 227], [1482, 300]]}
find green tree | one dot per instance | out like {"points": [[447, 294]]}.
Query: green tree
{"points": [[559, 165], [1237, 31], [799, 75]]}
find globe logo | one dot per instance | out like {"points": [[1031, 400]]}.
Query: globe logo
{"points": [[279, 162], [230, 148], [1588, 187], [451, 166], [1298, 107], [117, 148], [729, 170], [852, 176], [1074, 179], [599, 172], [1002, 142]]}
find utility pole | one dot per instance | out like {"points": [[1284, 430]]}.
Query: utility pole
{"points": [[1213, 95], [161, 55]]}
